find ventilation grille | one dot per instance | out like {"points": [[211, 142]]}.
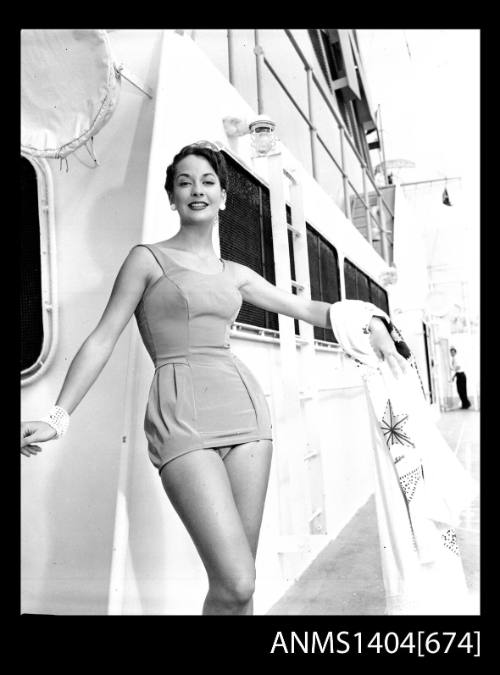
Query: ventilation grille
{"points": [[246, 236], [324, 274]]}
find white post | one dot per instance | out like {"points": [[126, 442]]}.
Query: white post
{"points": [[312, 467], [121, 530], [289, 432]]}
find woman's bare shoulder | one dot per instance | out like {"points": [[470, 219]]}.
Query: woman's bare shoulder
{"points": [[139, 254], [140, 260], [240, 273]]}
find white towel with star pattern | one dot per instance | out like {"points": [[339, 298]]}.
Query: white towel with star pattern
{"points": [[421, 488]]}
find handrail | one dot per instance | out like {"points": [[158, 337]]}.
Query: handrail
{"points": [[289, 34], [361, 199], [330, 154], [337, 117], [283, 86], [311, 126], [335, 114], [348, 138], [262, 60]]}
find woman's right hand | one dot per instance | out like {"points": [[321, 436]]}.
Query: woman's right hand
{"points": [[32, 433]]}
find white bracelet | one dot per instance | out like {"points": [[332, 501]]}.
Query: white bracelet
{"points": [[58, 419]]}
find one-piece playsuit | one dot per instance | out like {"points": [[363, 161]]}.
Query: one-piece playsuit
{"points": [[202, 395]]}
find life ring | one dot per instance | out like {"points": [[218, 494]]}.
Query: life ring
{"points": [[69, 89]]}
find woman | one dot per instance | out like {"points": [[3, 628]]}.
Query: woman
{"points": [[207, 421]]}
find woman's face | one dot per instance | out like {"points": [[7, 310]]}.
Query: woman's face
{"points": [[197, 194]]}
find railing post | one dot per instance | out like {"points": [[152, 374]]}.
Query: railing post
{"points": [[383, 232], [367, 207], [289, 431], [381, 138], [315, 138], [259, 55], [347, 204], [230, 55], [380, 206], [312, 128]]}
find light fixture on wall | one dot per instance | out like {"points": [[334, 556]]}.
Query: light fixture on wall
{"points": [[262, 131], [263, 135]]}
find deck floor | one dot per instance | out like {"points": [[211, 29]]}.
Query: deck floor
{"points": [[346, 577]]}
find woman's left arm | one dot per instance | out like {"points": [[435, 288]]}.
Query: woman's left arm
{"points": [[259, 292]]}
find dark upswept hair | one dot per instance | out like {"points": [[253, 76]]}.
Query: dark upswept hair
{"points": [[202, 149]]}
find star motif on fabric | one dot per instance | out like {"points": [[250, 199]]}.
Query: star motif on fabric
{"points": [[392, 427], [409, 482], [450, 541]]}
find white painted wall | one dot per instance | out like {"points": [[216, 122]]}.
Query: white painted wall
{"points": [[164, 574], [69, 492]]}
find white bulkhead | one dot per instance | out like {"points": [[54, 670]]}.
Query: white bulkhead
{"points": [[98, 533]]}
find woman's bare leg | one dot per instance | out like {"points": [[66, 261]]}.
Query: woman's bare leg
{"points": [[248, 466], [199, 488]]}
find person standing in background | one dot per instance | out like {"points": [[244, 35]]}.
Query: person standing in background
{"points": [[461, 379]]}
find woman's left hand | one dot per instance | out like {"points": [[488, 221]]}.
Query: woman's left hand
{"points": [[384, 347]]}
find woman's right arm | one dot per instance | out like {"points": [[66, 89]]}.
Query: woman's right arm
{"points": [[130, 283]]}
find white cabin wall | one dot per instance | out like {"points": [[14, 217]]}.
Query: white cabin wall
{"points": [[69, 492], [100, 215], [163, 572], [346, 443]]}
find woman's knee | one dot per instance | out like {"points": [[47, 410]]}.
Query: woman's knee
{"points": [[243, 589], [236, 590]]}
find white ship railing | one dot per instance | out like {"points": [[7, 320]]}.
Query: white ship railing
{"points": [[377, 218]]}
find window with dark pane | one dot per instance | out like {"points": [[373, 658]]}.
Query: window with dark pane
{"points": [[324, 276], [356, 283], [378, 296], [359, 286], [350, 278], [245, 235], [362, 283], [31, 280]]}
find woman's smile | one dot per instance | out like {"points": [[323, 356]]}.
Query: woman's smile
{"points": [[197, 188]]}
